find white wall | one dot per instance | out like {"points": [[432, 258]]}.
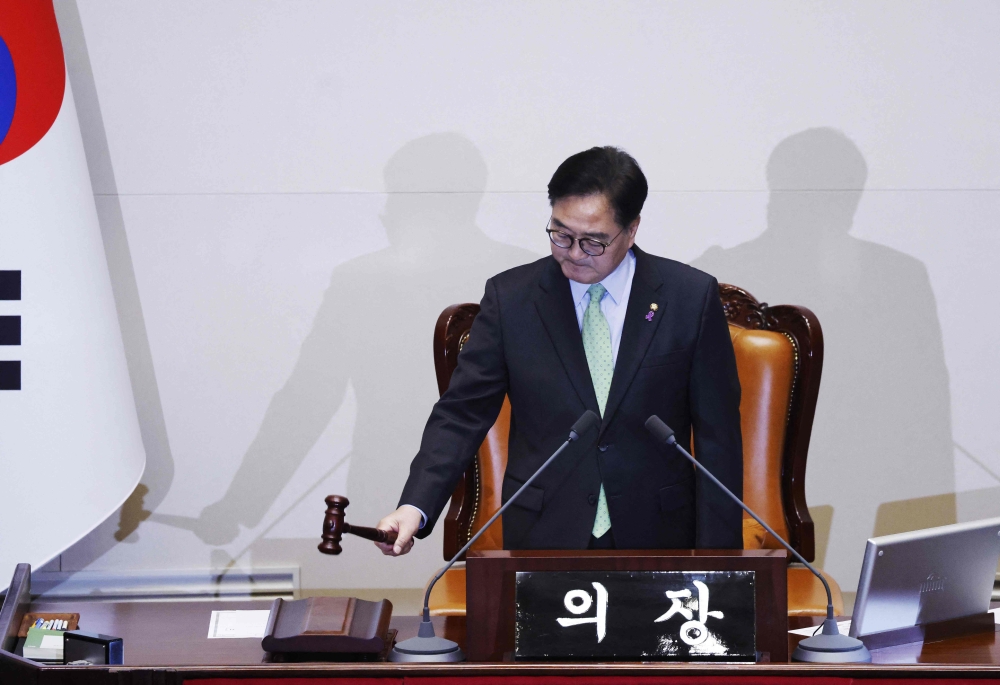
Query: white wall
{"points": [[290, 192]]}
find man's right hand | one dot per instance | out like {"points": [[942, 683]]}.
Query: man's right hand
{"points": [[405, 521]]}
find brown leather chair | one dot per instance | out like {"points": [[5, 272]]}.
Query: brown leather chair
{"points": [[779, 357]]}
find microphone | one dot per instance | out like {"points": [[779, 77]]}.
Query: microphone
{"points": [[829, 647], [426, 646]]}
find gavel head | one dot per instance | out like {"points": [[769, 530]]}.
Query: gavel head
{"points": [[333, 524]]}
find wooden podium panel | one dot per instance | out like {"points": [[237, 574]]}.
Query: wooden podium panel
{"points": [[490, 578]]}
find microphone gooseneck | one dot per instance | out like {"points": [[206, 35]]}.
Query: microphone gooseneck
{"points": [[829, 646], [582, 425], [426, 646], [665, 433]]}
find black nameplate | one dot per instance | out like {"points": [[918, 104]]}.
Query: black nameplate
{"points": [[635, 615]]}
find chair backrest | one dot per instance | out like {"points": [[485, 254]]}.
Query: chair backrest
{"points": [[779, 358]]}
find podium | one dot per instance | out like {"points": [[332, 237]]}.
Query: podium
{"points": [[491, 581]]}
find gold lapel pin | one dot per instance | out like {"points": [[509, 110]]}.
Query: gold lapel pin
{"points": [[654, 306]]}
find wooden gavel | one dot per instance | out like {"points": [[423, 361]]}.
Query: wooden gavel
{"points": [[334, 527]]}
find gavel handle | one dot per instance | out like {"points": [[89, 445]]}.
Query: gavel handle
{"points": [[386, 536]]}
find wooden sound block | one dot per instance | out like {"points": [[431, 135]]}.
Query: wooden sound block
{"points": [[318, 625], [334, 657], [29, 620]]}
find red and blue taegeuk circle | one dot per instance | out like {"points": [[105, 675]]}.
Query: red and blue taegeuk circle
{"points": [[32, 74]]}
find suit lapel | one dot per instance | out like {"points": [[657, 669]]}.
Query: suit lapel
{"points": [[555, 306], [638, 331]]}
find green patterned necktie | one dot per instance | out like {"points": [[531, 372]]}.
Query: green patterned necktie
{"points": [[597, 346]]}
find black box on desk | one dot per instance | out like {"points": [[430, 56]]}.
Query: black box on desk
{"points": [[79, 645]]}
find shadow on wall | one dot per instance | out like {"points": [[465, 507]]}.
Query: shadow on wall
{"points": [[905, 515], [159, 472], [822, 517], [937, 510], [883, 421], [374, 329]]}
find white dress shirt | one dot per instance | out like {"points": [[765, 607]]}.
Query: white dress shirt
{"points": [[618, 285]]}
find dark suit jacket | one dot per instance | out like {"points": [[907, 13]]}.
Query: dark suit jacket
{"points": [[526, 343]]}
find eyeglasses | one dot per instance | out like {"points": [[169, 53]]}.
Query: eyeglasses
{"points": [[592, 247]]}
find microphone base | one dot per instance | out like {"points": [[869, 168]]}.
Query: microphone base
{"points": [[830, 647], [426, 650]]}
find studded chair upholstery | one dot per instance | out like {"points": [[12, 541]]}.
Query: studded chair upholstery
{"points": [[779, 357]]}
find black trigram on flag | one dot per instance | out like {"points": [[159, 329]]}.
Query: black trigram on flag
{"points": [[10, 330]]}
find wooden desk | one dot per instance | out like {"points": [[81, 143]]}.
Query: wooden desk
{"points": [[166, 642]]}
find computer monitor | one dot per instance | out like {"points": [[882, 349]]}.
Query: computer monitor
{"points": [[927, 576]]}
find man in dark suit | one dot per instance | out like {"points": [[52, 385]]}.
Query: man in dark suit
{"points": [[599, 325]]}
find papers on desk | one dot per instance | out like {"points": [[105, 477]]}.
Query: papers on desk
{"points": [[845, 626], [250, 623], [842, 626]]}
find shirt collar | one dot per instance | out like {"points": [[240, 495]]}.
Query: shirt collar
{"points": [[614, 282]]}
